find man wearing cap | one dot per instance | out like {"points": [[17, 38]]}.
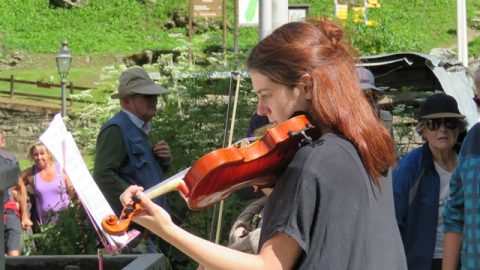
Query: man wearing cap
{"points": [[124, 154], [373, 95], [421, 182]]}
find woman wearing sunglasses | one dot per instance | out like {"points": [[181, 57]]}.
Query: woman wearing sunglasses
{"points": [[421, 182]]}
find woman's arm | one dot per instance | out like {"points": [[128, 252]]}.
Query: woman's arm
{"points": [[451, 250], [23, 181], [68, 184], [279, 252]]}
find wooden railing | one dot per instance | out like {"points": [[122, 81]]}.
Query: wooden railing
{"points": [[70, 89]]}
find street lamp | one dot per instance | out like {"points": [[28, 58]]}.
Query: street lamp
{"points": [[64, 59]]}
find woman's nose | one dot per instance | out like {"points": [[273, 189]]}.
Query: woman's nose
{"points": [[261, 110]]}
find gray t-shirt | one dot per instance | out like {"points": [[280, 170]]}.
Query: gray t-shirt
{"points": [[327, 203], [9, 171]]}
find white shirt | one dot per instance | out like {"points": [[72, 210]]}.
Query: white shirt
{"points": [[146, 127], [444, 195]]}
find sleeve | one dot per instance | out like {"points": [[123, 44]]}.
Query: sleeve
{"points": [[401, 177], [297, 199], [110, 155]]}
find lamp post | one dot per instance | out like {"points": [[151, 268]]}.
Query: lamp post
{"points": [[64, 59]]}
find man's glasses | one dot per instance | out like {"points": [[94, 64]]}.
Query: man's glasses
{"points": [[434, 124]]}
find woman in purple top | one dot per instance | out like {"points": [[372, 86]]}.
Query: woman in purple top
{"points": [[51, 188]]}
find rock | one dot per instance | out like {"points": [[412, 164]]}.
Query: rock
{"points": [[169, 24], [179, 17], [475, 23], [449, 54], [17, 55], [68, 3], [147, 57]]}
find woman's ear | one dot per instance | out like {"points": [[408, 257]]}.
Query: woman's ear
{"points": [[306, 84]]}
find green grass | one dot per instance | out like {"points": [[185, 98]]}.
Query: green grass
{"points": [[24, 163], [82, 77], [79, 76], [408, 25], [102, 26], [474, 48], [106, 26], [473, 11], [104, 29]]}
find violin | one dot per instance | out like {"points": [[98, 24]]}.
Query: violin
{"points": [[217, 174]]}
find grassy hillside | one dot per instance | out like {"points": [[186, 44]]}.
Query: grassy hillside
{"points": [[102, 26], [105, 29], [130, 26]]}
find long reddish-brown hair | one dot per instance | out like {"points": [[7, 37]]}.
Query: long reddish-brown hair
{"points": [[317, 48]]}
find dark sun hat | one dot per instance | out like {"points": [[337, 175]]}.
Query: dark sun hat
{"points": [[440, 105], [137, 81]]}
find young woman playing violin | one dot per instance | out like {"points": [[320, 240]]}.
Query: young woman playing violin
{"points": [[331, 208]]}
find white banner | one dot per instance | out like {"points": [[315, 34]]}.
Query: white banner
{"points": [[248, 12], [64, 149]]}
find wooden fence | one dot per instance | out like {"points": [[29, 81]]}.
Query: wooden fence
{"points": [[70, 89]]}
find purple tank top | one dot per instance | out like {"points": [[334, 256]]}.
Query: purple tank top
{"points": [[51, 197]]}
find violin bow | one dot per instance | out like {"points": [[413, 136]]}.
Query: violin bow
{"points": [[236, 76]]}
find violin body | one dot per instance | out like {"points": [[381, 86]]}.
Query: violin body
{"points": [[217, 174]]}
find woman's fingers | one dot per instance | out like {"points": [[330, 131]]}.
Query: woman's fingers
{"points": [[129, 193]]}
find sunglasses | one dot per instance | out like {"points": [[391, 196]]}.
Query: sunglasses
{"points": [[434, 124]]}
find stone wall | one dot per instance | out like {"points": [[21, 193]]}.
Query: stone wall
{"points": [[23, 124]]}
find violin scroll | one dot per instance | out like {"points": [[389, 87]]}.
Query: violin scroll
{"points": [[118, 226]]}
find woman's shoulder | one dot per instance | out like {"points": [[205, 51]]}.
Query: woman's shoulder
{"points": [[330, 145], [330, 151], [331, 161], [409, 166]]}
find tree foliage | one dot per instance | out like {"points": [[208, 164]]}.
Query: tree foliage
{"points": [[191, 118]]}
